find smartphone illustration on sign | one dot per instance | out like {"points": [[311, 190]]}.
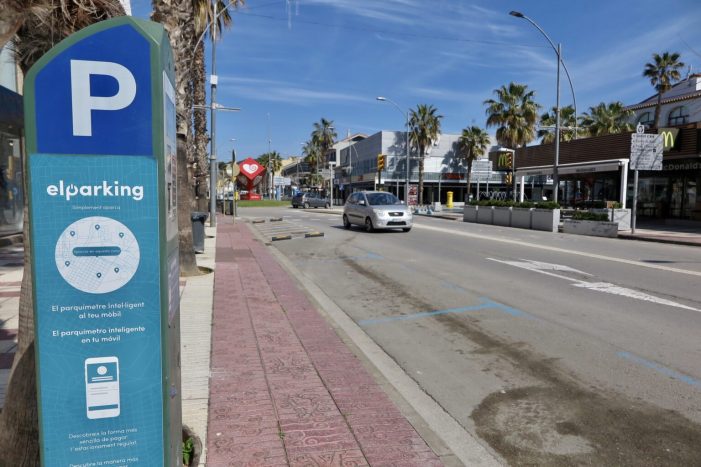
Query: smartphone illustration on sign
{"points": [[102, 387]]}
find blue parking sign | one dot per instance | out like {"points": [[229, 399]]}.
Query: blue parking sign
{"points": [[100, 124]]}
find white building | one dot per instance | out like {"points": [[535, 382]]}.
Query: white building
{"points": [[444, 169], [680, 105]]}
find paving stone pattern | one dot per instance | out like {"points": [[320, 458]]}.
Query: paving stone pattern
{"points": [[285, 390]]}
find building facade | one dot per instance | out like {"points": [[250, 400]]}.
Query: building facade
{"points": [[596, 170], [11, 145], [444, 170]]}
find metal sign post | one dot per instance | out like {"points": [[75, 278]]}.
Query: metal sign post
{"points": [[101, 145], [645, 154]]}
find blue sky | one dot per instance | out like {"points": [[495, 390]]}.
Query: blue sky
{"points": [[287, 63]]}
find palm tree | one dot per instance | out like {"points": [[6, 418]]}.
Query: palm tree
{"points": [[567, 120], [424, 128], [606, 119], [325, 136], [663, 71], [38, 25], [473, 143], [35, 26], [204, 17], [177, 17], [272, 161], [514, 113], [312, 154]]}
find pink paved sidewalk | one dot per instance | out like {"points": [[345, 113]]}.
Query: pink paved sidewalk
{"points": [[285, 390]]}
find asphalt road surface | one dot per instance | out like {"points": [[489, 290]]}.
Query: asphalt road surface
{"points": [[552, 349]]}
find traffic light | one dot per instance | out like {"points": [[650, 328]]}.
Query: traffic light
{"points": [[380, 162]]}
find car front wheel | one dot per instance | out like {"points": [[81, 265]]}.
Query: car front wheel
{"points": [[306, 205], [368, 225], [346, 222], [406, 229], [327, 205]]}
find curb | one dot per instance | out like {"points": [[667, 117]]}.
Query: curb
{"points": [[658, 240]]}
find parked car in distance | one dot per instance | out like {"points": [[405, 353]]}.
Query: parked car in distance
{"points": [[309, 200], [376, 210]]}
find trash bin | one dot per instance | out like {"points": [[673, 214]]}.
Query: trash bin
{"points": [[449, 202], [198, 219]]}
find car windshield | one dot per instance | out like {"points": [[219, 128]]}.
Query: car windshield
{"points": [[382, 199]]}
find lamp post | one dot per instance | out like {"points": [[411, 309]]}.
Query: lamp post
{"points": [[213, 107], [558, 51], [406, 116]]}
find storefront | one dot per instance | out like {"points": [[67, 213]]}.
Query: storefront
{"points": [[11, 192], [671, 193], [592, 172]]}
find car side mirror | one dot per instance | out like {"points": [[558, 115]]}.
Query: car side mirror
{"points": [[362, 203]]}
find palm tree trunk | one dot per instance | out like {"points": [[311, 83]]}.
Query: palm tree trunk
{"points": [[658, 110], [421, 176], [177, 18], [19, 422], [199, 79]]}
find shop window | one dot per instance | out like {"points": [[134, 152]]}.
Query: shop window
{"points": [[678, 116], [647, 119]]}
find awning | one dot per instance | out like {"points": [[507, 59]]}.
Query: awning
{"points": [[611, 165]]}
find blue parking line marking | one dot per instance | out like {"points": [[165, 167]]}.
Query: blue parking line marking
{"points": [[661, 369], [484, 305]]}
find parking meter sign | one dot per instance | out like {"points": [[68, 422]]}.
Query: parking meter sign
{"points": [[100, 127]]}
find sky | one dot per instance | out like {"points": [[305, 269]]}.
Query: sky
{"points": [[288, 63]]}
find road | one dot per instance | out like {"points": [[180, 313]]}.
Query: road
{"points": [[552, 349]]}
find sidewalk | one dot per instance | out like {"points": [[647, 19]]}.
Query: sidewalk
{"points": [[285, 390]]}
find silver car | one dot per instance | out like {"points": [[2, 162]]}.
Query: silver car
{"points": [[376, 210], [308, 200]]}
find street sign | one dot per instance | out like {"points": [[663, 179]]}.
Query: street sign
{"points": [[232, 170], [327, 174], [282, 181], [646, 150], [481, 166], [101, 145]]}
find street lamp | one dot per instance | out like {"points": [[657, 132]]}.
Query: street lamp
{"points": [[213, 107], [558, 51], [406, 116]]}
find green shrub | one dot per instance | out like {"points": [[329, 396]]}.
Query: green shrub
{"points": [[547, 205], [617, 205], [590, 216]]}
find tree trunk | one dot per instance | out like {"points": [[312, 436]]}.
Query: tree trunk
{"points": [[189, 268], [176, 17], [19, 423], [199, 83], [658, 109], [421, 176]]}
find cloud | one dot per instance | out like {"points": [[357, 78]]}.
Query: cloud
{"points": [[279, 91]]}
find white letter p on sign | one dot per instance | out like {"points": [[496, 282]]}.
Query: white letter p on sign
{"points": [[84, 102]]}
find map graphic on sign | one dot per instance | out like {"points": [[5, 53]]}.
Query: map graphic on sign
{"points": [[97, 255]]}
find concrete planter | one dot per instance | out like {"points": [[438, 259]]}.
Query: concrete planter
{"points": [[521, 217], [485, 214], [594, 228], [622, 216], [469, 213], [501, 216], [545, 219]]}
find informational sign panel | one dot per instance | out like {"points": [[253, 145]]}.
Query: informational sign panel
{"points": [[646, 150], [100, 123]]}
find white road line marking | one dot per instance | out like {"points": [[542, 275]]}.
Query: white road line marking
{"points": [[604, 287], [561, 250]]}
